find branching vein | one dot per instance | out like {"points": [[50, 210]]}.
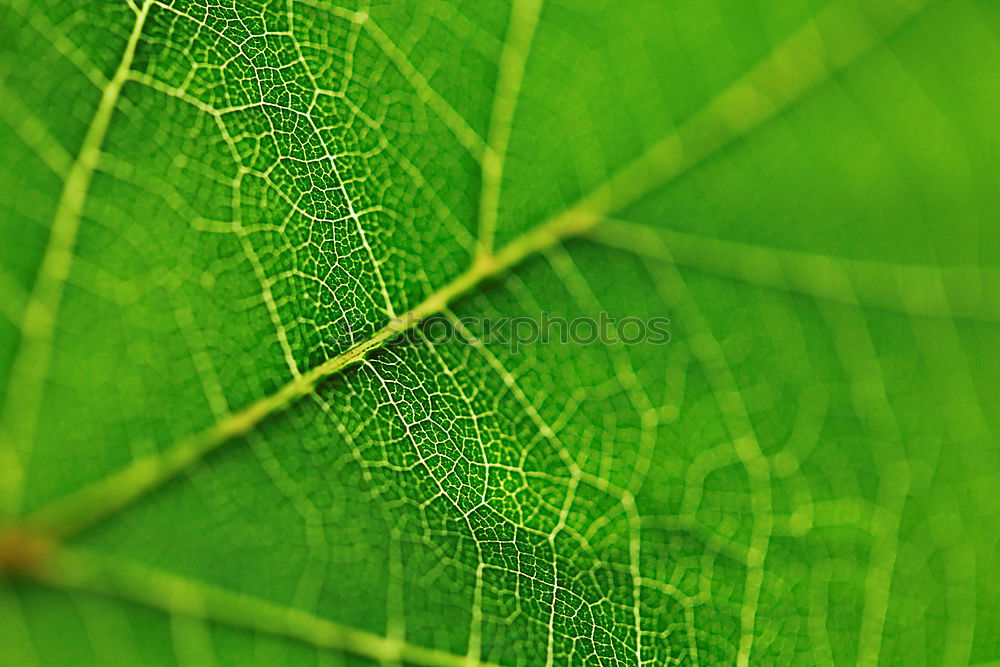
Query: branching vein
{"points": [[19, 413], [826, 44]]}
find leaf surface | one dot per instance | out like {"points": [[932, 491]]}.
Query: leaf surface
{"points": [[228, 433]]}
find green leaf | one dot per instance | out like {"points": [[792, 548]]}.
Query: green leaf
{"points": [[229, 434]]}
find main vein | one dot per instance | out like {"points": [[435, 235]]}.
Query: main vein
{"points": [[80, 509], [19, 414], [824, 45]]}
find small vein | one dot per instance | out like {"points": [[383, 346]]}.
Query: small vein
{"points": [[57, 37], [853, 342], [12, 298], [457, 125], [731, 404], [33, 133]]}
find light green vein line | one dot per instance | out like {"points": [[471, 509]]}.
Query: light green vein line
{"points": [[458, 126], [789, 72], [969, 291], [130, 580], [33, 132], [746, 445], [12, 300], [57, 37], [18, 417], [513, 60], [854, 344], [467, 136]]}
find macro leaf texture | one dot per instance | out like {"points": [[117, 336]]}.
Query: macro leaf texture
{"points": [[228, 435]]}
